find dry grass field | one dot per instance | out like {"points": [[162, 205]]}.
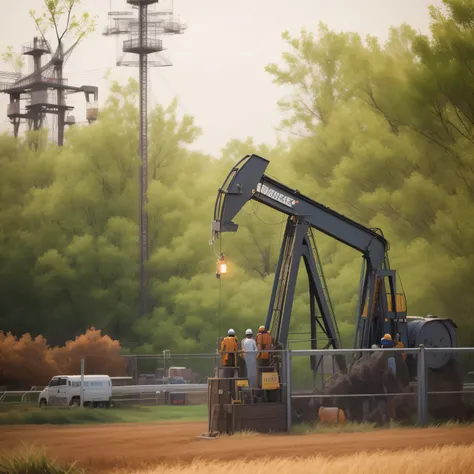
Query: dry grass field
{"points": [[129, 447], [445, 460]]}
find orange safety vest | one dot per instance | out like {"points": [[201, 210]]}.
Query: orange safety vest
{"points": [[264, 342], [228, 344]]}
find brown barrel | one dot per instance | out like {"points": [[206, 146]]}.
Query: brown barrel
{"points": [[331, 415]]}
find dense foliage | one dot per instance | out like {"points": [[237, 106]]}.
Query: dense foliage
{"points": [[382, 133], [27, 361], [388, 135]]}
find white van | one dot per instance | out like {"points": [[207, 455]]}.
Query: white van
{"points": [[64, 390]]}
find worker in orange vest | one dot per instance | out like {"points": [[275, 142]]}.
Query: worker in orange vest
{"points": [[264, 342], [399, 345], [229, 349]]}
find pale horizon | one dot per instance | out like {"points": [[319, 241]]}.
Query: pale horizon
{"points": [[218, 72]]}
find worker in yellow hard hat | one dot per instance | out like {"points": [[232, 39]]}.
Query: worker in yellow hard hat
{"points": [[387, 343], [264, 343]]}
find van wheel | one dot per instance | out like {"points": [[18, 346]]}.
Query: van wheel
{"points": [[75, 402], [43, 403]]}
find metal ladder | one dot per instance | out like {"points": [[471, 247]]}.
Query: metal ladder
{"points": [[320, 270], [282, 287]]}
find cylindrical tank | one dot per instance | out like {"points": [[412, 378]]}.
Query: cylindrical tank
{"points": [[331, 415], [40, 97], [92, 111], [226, 372], [433, 332], [13, 108]]}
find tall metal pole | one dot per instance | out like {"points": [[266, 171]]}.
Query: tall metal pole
{"points": [[143, 151], [288, 371], [422, 380], [142, 45], [81, 393]]}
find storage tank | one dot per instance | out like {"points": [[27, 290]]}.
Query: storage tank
{"points": [[92, 111], [13, 109], [433, 332]]}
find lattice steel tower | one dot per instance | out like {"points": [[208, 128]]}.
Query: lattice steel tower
{"points": [[143, 41], [43, 91]]}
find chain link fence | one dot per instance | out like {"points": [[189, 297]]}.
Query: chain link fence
{"points": [[411, 386]]}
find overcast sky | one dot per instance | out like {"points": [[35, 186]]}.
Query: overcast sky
{"points": [[218, 63]]}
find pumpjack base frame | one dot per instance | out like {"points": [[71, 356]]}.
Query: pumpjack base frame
{"points": [[259, 417], [228, 414], [208, 436]]}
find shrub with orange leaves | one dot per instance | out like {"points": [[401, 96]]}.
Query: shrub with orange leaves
{"points": [[101, 355], [25, 362]]}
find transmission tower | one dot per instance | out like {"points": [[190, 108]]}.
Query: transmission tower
{"points": [[43, 91], [143, 41]]}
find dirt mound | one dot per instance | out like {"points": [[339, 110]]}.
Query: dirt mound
{"points": [[445, 406], [107, 447], [369, 375]]}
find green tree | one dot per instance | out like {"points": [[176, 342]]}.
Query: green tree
{"points": [[12, 59], [388, 140], [381, 132], [60, 16]]}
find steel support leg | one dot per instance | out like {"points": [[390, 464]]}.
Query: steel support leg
{"points": [[422, 377], [288, 362]]}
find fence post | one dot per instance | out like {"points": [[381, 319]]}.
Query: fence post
{"points": [[82, 384], [288, 362], [422, 388]]}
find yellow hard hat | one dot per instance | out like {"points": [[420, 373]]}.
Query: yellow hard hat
{"points": [[387, 337], [261, 328]]}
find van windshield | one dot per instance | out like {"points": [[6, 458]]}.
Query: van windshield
{"points": [[54, 383]]}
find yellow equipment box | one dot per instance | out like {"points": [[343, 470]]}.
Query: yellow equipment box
{"points": [[270, 381]]}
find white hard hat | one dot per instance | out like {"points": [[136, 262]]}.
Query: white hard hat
{"points": [[248, 332], [231, 332]]}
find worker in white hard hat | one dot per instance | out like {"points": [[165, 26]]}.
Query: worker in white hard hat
{"points": [[229, 349], [249, 352]]}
